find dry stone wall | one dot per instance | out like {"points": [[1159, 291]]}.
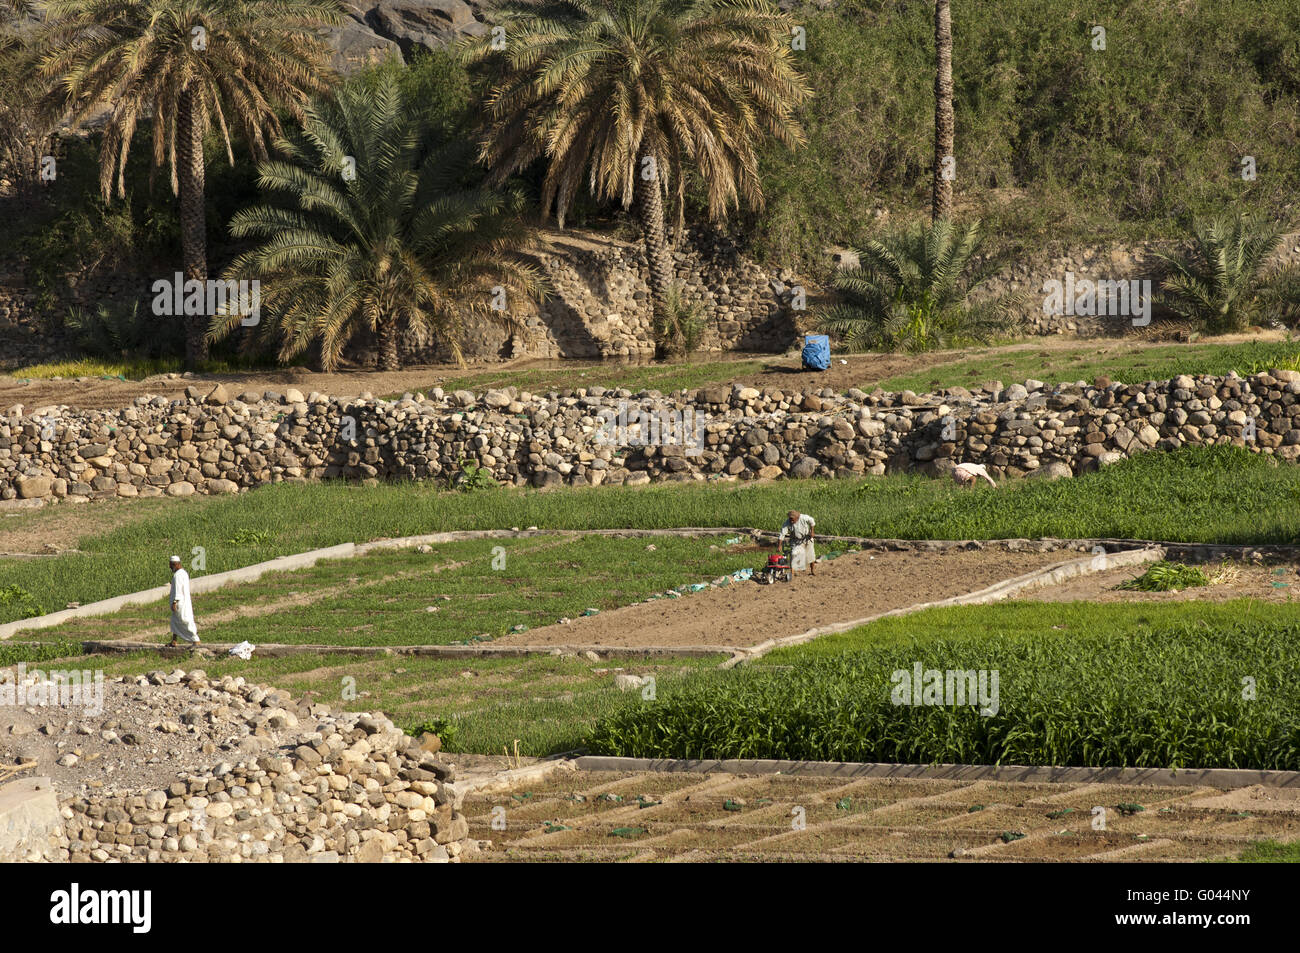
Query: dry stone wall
{"points": [[212, 442], [1024, 281], [599, 307]]}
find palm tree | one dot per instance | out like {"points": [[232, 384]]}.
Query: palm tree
{"points": [[186, 67], [1221, 284], [391, 241], [910, 291], [633, 95], [24, 126], [944, 124]]}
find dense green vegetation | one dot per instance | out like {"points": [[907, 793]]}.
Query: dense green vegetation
{"points": [[1056, 142], [1184, 696], [1204, 494], [909, 292], [1075, 622], [31, 655], [1270, 852]]}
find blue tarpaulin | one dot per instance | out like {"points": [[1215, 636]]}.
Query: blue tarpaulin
{"points": [[816, 352]]}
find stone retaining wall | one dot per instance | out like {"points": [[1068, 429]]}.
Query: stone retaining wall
{"points": [[213, 442]]}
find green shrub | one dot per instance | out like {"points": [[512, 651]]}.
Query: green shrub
{"points": [[1219, 284], [124, 333], [469, 476], [1167, 577], [910, 292], [681, 326], [17, 603], [444, 728]]}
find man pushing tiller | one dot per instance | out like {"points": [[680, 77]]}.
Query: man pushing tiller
{"points": [[799, 529]]}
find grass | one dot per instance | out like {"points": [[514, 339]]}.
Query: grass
{"points": [[548, 703], [1167, 697], [132, 370], [480, 589], [1003, 620], [1269, 852], [1217, 494], [1120, 361], [30, 655]]}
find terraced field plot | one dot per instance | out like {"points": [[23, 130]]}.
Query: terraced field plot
{"points": [[648, 816], [476, 589]]}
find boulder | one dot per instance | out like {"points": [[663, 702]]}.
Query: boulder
{"points": [[431, 24], [34, 487], [1056, 470], [356, 46]]}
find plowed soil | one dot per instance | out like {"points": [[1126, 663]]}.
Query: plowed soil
{"points": [[853, 586], [650, 817]]}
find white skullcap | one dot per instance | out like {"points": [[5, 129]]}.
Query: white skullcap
{"points": [[175, 559]]}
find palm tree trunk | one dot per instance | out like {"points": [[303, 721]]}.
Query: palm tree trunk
{"points": [[194, 239], [650, 209], [387, 331], [941, 200]]}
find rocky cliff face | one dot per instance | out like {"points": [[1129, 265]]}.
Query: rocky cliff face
{"points": [[374, 30]]}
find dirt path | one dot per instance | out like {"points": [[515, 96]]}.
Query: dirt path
{"points": [[742, 614], [779, 371], [1265, 583]]}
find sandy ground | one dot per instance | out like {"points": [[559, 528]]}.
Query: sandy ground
{"points": [[741, 614], [1265, 583], [659, 817]]}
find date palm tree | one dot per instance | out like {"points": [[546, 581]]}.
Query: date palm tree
{"points": [[186, 68], [634, 95], [1222, 284], [375, 229], [944, 123], [24, 125], [911, 292]]}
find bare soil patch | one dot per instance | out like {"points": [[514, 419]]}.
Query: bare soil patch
{"points": [[695, 817], [741, 614]]}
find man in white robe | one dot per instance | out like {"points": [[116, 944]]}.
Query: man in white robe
{"points": [[799, 528], [182, 621]]}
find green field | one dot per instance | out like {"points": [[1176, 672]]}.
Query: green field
{"points": [[1217, 494], [1127, 693], [383, 598]]}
